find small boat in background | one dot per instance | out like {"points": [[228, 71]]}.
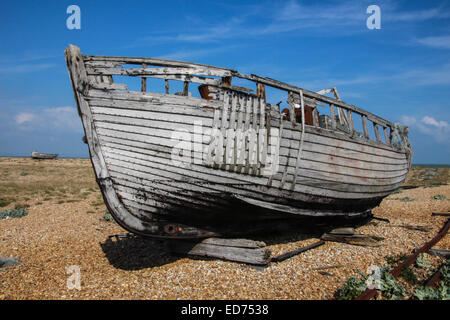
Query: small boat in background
{"points": [[39, 155]]}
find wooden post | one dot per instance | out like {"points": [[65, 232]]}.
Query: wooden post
{"points": [[186, 88], [261, 90], [166, 84], [386, 135], [341, 116], [316, 121], [226, 82], [291, 108], [350, 122], [377, 134], [332, 116], [144, 80], [364, 122]]}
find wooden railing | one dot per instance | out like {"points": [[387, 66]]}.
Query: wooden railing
{"points": [[101, 69]]}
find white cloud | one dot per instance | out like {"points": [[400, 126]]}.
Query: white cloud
{"points": [[60, 118], [431, 76], [340, 17], [63, 117], [24, 68], [419, 15], [343, 11], [409, 121], [438, 75], [433, 122], [26, 57], [194, 54], [439, 130], [27, 62], [442, 42], [24, 117], [319, 17]]}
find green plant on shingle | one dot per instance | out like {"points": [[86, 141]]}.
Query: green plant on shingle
{"points": [[445, 272], [72, 200], [13, 213], [409, 275], [439, 197], [423, 261], [394, 260], [97, 203], [351, 289], [107, 217], [389, 286], [407, 199], [442, 292], [386, 283]]}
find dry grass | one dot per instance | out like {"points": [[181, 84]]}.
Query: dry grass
{"points": [[429, 177], [65, 227], [31, 181]]}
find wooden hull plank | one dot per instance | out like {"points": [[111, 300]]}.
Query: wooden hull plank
{"points": [[158, 160]]}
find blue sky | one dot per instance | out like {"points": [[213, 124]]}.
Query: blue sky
{"points": [[400, 72]]}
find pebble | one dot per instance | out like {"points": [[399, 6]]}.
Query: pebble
{"points": [[54, 237]]}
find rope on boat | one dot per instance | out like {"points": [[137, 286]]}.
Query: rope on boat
{"points": [[300, 149]]}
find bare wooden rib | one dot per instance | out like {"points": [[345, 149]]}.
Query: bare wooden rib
{"points": [[163, 159]]}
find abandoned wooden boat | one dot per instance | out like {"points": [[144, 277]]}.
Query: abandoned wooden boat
{"points": [[39, 155], [171, 164]]}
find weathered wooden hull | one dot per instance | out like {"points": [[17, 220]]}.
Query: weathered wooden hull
{"points": [[150, 191]]}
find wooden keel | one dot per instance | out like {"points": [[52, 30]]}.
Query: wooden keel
{"points": [[355, 239], [238, 250]]}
